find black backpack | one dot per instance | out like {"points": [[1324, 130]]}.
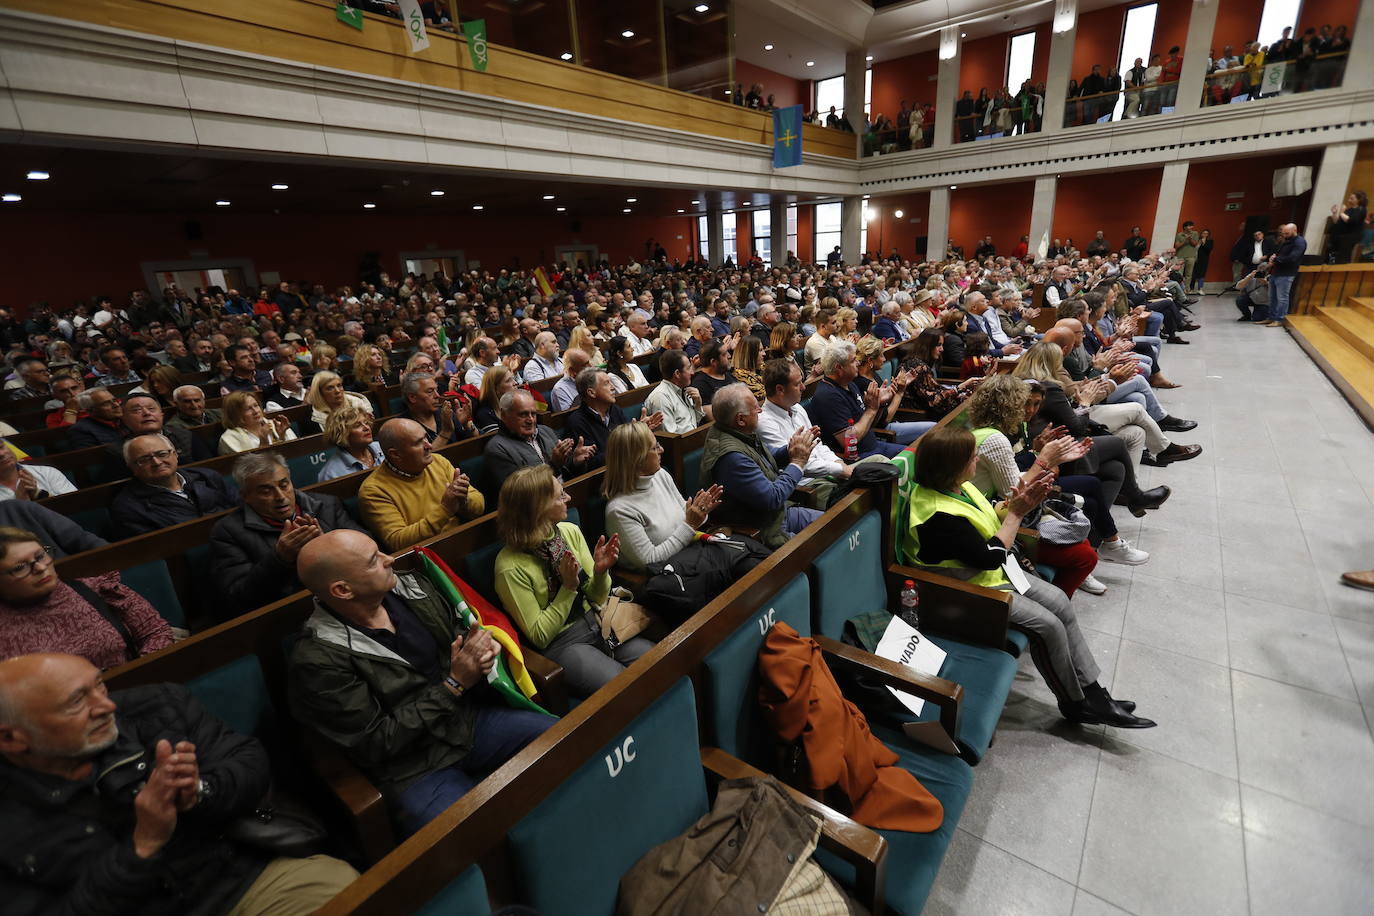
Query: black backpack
{"points": [[691, 578]]}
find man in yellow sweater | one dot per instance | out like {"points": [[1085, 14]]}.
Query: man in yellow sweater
{"points": [[414, 494]]}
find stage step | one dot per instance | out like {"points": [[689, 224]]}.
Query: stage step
{"points": [[1350, 369], [1353, 325]]}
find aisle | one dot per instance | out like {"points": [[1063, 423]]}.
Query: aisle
{"points": [[1253, 794]]}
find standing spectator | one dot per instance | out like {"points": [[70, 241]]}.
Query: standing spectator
{"points": [[1283, 270], [1185, 249], [1347, 227], [1204, 259], [1169, 73]]}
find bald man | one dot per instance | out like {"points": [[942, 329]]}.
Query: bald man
{"points": [[119, 802], [388, 672], [414, 493]]}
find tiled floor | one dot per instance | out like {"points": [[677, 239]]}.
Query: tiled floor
{"points": [[1256, 792]]}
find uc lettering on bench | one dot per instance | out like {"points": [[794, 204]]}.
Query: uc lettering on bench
{"points": [[853, 541], [766, 622], [615, 762]]}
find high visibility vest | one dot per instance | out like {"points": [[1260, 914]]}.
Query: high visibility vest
{"points": [[926, 502]]}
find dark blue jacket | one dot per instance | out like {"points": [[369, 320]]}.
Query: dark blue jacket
{"points": [[1288, 257], [886, 329], [140, 508]]}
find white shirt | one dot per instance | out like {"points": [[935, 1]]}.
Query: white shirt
{"points": [[537, 368], [638, 344], [50, 479], [1258, 255], [776, 427], [679, 414], [474, 375]]}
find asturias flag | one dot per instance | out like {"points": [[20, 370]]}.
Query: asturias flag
{"points": [[787, 136]]}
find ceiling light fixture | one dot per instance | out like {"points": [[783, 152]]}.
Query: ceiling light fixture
{"points": [[628, 33], [768, 47], [682, 211], [566, 55], [811, 63], [477, 207], [222, 203], [898, 214], [632, 200], [695, 202], [11, 198], [548, 197], [963, 34], [702, 8], [869, 58], [561, 209], [369, 206], [280, 187], [37, 176], [954, 187], [436, 193], [626, 210]]}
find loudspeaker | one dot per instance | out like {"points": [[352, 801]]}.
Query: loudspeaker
{"points": [[193, 230], [1292, 181]]}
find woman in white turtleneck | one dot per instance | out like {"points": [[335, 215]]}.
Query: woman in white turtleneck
{"points": [[645, 509]]}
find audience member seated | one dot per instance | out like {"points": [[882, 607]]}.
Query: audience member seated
{"points": [[349, 430], [746, 364], [674, 397], [925, 391], [563, 395], [190, 410], [414, 494], [625, 375], [644, 508], [29, 481], [869, 358], [545, 363], [955, 532], [244, 372], [521, 440], [758, 481], [100, 425], [98, 618], [847, 418], [34, 380], [246, 427], [553, 585], [370, 369], [255, 546], [141, 415], [67, 388], [63, 536], [782, 417], [287, 389], [160, 495], [714, 372], [495, 383], [123, 802], [597, 417], [443, 422], [327, 394]]}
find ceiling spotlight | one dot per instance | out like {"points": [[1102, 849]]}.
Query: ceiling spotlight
{"points": [[811, 63], [696, 202], [566, 55], [280, 187], [11, 198], [222, 203], [628, 33], [631, 200], [869, 57], [729, 212], [369, 206], [727, 92], [768, 47], [436, 193], [898, 214], [682, 211], [954, 187], [963, 34], [548, 197], [702, 8], [626, 210], [560, 209], [867, 196], [37, 176], [477, 206]]}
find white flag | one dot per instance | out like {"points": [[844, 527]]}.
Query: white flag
{"points": [[415, 25]]}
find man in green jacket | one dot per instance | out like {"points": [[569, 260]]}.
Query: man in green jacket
{"points": [[1185, 249], [385, 672]]}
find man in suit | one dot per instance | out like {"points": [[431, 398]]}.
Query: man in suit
{"points": [[886, 327], [1250, 251], [982, 317]]}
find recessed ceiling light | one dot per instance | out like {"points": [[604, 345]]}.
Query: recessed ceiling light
{"points": [[898, 214], [548, 197], [280, 187], [369, 206], [696, 202], [477, 206], [626, 210], [811, 63], [632, 200], [436, 193], [628, 33], [727, 92], [11, 198], [963, 34], [867, 196], [729, 212], [767, 47], [561, 209], [869, 57], [37, 176], [953, 187], [566, 55], [222, 203], [682, 211], [702, 8]]}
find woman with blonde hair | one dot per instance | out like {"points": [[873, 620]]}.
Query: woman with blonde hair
{"points": [[327, 394], [847, 324], [496, 382], [323, 358], [160, 383], [551, 582], [349, 430], [370, 368], [747, 363], [246, 427], [582, 339], [645, 509]]}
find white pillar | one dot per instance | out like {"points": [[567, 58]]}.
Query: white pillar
{"points": [[715, 235], [1333, 178], [1167, 211], [1042, 214], [777, 229], [855, 69], [1359, 63], [851, 227], [937, 224], [946, 89], [1062, 33], [1199, 42]]}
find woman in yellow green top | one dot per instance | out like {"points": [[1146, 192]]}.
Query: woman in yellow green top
{"points": [[954, 531], [551, 583]]}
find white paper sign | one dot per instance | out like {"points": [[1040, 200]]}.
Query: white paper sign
{"points": [[904, 644], [415, 25], [1019, 580]]}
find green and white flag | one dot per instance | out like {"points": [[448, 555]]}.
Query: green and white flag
{"points": [[415, 25], [476, 33], [348, 15]]}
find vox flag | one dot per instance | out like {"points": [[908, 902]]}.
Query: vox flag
{"points": [[476, 34], [414, 21], [348, 15], [787, 136]]}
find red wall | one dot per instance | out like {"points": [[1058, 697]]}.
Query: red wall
{"points": [[1097, 40], [786, 90], [1237, 24], [70, 256], [886, 231], [1317, 13], [806, 239], [1171, 27], [1110, 201], [1205, 200], [910, 78], [1003, 210], [983, 64]]}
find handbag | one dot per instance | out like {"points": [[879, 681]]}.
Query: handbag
{"points": [[281, 826], [1062, 522], [621, 618]]}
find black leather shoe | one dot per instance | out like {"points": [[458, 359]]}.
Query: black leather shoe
{"points": [[1176, 425], [1088, 712], [1149, 499], [1192, 326], [1176, 340], [1176, 452]]}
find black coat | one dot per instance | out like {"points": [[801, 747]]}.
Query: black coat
{"points": [[65, 845], [247, 571], [586, 423], [1244, 248], [140, 508]]}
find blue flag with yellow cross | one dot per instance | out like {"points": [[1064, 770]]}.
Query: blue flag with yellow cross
{"points": [[787, 136]]}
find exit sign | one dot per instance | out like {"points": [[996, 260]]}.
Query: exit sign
{"points": [[1233, 206]]}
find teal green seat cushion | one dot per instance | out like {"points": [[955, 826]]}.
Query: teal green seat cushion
{"points": [[1017, 642], [465, 895], [642, 789], [913, 859]]}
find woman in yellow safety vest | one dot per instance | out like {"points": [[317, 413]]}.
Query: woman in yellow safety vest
{"points": [[954, 531]]}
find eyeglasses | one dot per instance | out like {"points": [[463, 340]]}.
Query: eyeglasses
{"points": [[29, 567], [147, 460]]}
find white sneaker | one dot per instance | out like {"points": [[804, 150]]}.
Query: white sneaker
{"points": [[1093, 586], [1121, 551]]}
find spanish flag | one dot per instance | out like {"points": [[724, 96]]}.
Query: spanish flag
{"points": [[541, 279]]}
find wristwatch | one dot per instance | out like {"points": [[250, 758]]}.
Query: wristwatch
{"points": [[452, 684], [203, 789]]}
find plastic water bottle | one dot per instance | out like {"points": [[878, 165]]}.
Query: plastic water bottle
{"points": [[851, 444], [910, 600]]}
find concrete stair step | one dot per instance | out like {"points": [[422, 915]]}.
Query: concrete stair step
{"points": [[1350, 370], [1353, 325]]}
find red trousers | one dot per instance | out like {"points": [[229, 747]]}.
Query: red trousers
{"points": [[1071, 564]]}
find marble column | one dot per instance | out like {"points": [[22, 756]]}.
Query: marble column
{"points": [[1042, 214], [715, 235], [1062, 32], [851, 227], [1168, 212], [1333, 177], [777, 230], [855, 70], [947, 89], [937, 224], [1195, 53]]}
